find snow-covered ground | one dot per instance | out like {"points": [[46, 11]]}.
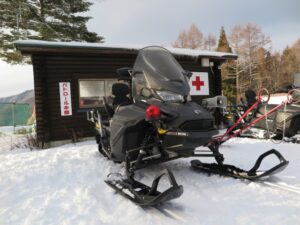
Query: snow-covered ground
{"points": [[64, 185]]}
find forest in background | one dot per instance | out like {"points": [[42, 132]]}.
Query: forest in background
{"points": [[257, 66]]}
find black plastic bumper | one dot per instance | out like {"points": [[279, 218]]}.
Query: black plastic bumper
{"points": [[178, 141]]}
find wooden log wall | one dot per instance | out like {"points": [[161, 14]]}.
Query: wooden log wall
{"points": [[50, 69]]}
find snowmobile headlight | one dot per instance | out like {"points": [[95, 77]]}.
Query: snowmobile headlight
{"points": [[167, 96]]}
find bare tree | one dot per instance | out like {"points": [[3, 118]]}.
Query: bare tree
{"points": [[195, 37], [192, 38], [246, 41], [210, 42], [182, 40], [296, 50]]}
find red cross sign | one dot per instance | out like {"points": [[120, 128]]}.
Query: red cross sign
{"points": [[199, 83]]}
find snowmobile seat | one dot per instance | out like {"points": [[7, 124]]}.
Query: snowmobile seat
{"points": [[124, 74], [120, 91], [109, 110], [250, 97]]}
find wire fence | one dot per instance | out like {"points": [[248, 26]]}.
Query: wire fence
{"points": [[14, 114], [17, 128]]}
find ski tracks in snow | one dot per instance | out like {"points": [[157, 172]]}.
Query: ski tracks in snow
{"points": [[281, 186]]}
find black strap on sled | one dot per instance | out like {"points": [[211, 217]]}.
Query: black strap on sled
{"points": [[252, 174], [144, 195]]}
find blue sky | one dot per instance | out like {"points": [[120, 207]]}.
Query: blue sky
{"points": [[160, 21]]}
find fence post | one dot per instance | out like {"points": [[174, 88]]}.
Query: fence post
{"points": [[13, 116]]}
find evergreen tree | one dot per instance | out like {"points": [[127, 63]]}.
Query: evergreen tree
{"points": [[223, 45], [57, 20], [229, 89]]}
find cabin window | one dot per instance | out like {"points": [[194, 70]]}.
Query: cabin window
{"points": [[92, 91]]}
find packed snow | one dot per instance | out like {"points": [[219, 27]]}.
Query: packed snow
{"points": [[65, 185]]}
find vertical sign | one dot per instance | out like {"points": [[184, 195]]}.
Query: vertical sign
{"points": [[199, 83], [65, 99]]}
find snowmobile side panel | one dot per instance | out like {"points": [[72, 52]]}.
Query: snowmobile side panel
{"points": [[127, 128]]}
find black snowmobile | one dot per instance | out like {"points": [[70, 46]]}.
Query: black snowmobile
{"points": [[282, 124], [159, 123]]}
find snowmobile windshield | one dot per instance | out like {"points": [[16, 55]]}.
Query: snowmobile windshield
{"points": [[157, 69]]}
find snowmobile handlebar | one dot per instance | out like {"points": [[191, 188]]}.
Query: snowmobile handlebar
{"points": [[92, 115]]}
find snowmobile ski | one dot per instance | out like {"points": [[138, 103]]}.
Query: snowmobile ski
{"points": [[144, 195], [235, 172]]}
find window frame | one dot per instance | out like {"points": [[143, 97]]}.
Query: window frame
{"points": [[92, 79]]}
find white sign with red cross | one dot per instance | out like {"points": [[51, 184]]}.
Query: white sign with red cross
{"points": [[65, 99], [199, 83]]}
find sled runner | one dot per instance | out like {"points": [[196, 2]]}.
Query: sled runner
{"points": [[144, 195], [235, 172]]}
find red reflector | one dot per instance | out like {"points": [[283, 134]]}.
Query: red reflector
{"points": [[152, 112]]}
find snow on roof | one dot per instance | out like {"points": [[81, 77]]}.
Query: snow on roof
{"points": [[21, 44]]}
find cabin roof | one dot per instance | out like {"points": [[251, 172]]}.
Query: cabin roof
{"points": [[29, 47]]}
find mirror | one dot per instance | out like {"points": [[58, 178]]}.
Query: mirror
{"points": [[215, 102], [187, 73], [123, 72]]}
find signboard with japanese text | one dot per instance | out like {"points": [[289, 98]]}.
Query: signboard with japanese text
{"points": [[65, 99], [199, 83]]}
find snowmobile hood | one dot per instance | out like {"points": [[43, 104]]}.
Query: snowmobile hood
{"points": [[161, 71]]}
